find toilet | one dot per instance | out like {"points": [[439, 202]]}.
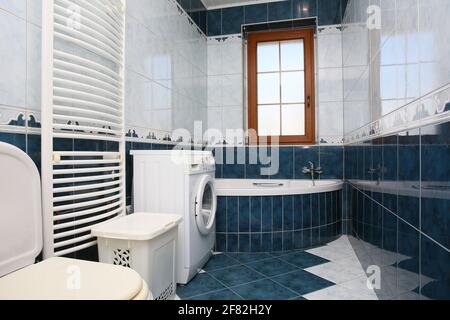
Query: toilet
{"points": [[22, 240]]}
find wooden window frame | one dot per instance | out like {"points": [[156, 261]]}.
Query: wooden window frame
{"points": [[310, 114]]}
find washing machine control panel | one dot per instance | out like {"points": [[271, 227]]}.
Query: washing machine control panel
{"points": [[202, 164]]}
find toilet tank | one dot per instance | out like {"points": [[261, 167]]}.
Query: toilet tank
{"points": [[20, 210]]}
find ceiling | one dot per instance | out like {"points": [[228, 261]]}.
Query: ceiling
{"points": [[211, 4]]}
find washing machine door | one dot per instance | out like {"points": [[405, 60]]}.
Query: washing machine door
{"points": [[205, 205]]}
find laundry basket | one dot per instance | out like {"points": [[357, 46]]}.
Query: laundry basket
{"points": [[145, 242]]}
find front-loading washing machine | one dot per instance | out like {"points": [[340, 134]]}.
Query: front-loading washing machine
{"points": [[180, 182]]}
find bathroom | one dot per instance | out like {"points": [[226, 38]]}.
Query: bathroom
{"points": [[331, 183]]}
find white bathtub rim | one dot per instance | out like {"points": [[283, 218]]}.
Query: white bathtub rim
{"points": [[245, 188]]}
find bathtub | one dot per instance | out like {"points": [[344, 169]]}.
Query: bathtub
{"points": [[242, 187], [277, 215]]}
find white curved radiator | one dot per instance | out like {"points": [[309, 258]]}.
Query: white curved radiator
{"points": [[83, 147]]}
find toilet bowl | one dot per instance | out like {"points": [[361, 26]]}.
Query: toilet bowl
{"points": [[70, 279], [22, 241]]}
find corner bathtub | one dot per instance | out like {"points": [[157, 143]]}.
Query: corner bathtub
{"points": [[277, 215]]}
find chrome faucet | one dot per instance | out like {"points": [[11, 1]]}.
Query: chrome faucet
{"points": [[376, 171], [312, 170]]}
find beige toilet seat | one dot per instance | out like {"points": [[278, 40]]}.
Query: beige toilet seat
{"points": [[69, 279]]}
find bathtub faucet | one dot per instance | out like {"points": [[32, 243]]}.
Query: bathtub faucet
{"points": [[312, 170], [377, 172]]}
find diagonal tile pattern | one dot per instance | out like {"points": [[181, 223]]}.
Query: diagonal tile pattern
{"points": [[332, 272]]}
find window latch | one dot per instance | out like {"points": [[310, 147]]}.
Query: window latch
{"points": [[308, 102]]}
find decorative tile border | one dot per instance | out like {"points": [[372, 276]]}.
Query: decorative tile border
{"points": [[432, 108]]}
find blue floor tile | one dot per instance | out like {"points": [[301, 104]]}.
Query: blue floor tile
{"points": [[202, 283], [235, 276], [220, 261], [249, 257], [303, 259], [303, 282], [219, 295], [264, 290], [273, 267]]}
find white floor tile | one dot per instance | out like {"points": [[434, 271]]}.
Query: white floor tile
{"points": [[331, 253], [335, 272], [337, 293], [360, 285]]}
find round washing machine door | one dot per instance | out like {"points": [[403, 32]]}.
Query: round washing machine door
{"points": [[205, 205]]}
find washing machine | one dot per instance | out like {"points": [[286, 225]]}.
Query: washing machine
{"points": [[180, 182]]}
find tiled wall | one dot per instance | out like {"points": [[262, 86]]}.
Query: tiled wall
{"points": [[20, 58], [227, 79], [388, 66], [227, 21], [291, 162], [397, 195], [404, 220], [166, 69], [196, 11], [279, 223], [226, 85]]}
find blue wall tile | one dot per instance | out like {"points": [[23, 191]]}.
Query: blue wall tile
{"points": [[329, 12], [221, 242], [286, 163], [34, 149], [254, 163], [232, 19], [307, 211], [232, 242], [232, 214], [436, 219], [266, 242], [281, 10], [288, 213], [390, 159], [332, 162], [315, 210], [255, 214], [234, 170], [288, 241], [322, 208], [244, 214], [255, 242], [267, 214], [256, 13], [277, 241], [244, 242], [390, 222], [304, 8], [298, 240], [434, 264], [214, 19], [298, 212], [17, 140], [221, 214], [277, 213]]}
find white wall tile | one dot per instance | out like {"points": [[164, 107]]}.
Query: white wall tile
{"points": [[330, 114], [330, 50], [16, 7], [34, 44], [13, 59], [232, 90], [34, 12], [330, 84]]}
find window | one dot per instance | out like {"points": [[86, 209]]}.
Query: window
{"points": [[281, 85]]}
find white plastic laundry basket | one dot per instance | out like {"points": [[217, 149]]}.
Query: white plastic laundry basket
{"points": [[145, 242]]}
